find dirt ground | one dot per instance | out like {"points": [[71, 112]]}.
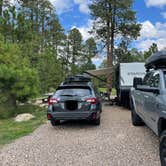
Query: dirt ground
{"points": [[114, 143]]}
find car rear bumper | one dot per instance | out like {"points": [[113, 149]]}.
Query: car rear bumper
{"points": [[74, 115]]}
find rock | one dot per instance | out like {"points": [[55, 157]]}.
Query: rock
{"points": [[24, 117]]}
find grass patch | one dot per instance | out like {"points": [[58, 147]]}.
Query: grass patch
{"points": [[113, 93], [11, 130], [104, 90]]}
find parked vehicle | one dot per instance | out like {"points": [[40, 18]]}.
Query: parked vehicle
{"points": [[148, 99], [124, 74], [74, 102]]}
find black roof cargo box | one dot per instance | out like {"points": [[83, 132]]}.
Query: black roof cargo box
{"points": [[77, 79], [157, 60]]}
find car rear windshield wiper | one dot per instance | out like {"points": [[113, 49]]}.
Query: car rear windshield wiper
{"points": [[68, 95]]}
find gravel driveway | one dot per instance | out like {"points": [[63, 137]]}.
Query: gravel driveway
{"points": [[115, 143]]}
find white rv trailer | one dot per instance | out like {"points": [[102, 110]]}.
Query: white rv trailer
{"points": [[124, 75]]}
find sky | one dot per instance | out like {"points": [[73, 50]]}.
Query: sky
{"points": [[150, 13]]}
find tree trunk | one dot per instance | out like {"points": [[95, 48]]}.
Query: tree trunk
{"points": [[1, 6], [113, 24], [109, 60], [43, 24], [110, 47], [37, 18], [32, 22], [12, 101]]}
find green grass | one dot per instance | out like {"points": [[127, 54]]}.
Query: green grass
{"points": [[11, 130], [113, 93], [104, 90]]}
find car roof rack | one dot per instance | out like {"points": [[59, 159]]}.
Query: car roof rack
{"points": [[156, 61]]}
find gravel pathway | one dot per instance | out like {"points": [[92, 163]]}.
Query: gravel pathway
{"points": [[114, 143]]}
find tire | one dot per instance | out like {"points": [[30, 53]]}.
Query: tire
{"points": [[119, 100], [136, 120], [123, 99], [96, 122], [162, 148], [55, 122]]}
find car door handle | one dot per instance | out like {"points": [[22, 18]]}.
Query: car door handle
{"points": [[158, 106], [138, 93], [146, 96]]}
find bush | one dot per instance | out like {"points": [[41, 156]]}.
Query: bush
{"points": [[7, 112], [18, 82]]}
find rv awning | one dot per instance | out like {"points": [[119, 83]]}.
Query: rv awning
{"points": [[99, 72]]}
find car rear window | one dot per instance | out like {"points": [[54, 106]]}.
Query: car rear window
{"points": [[73, 91]]}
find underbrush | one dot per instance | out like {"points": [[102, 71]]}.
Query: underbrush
{"points": [[11, 130]]}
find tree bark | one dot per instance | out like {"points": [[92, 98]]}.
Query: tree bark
{"points": [[43, 25], [1, 6], [109, 59], [37, 17], [110, 46], [12, 101], [32, 22]]}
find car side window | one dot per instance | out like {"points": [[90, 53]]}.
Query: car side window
{"points": [[155, 80], [147, 78]]}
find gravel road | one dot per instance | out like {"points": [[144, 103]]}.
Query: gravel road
{"points": [[114, 143]]}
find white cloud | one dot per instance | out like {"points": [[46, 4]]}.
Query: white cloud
{"points": [[62, 6], [66, 5], [85, 30], [163, 14], [148, 30], [145, 44], [155, 3], [83, 5], [84, 9], [98, 60], [152, 33]]}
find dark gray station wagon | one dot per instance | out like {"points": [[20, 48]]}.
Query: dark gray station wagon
{"points": [[74, 102]]}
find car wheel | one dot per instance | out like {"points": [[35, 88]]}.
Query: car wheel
{"points": [[96, 122], [163, 148], [55, 122], [136, 120], [119, 100]]}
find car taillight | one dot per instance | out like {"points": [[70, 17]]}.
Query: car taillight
{"points": [[52, 101], [91, 100], [49, 116]]}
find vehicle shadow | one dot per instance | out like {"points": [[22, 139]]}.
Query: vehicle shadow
{"points": [[76, 124]]}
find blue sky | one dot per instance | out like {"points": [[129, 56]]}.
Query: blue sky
{"points": [[150, 13]]}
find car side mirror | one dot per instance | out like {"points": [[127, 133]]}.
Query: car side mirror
{"points": [[156, 91], [148, 89], [137, 81]]}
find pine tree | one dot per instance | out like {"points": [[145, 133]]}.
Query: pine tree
{"points": [[112, 18], [75, 46]]}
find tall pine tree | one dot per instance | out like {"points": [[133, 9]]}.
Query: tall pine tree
{"points": [[113, 18]]}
